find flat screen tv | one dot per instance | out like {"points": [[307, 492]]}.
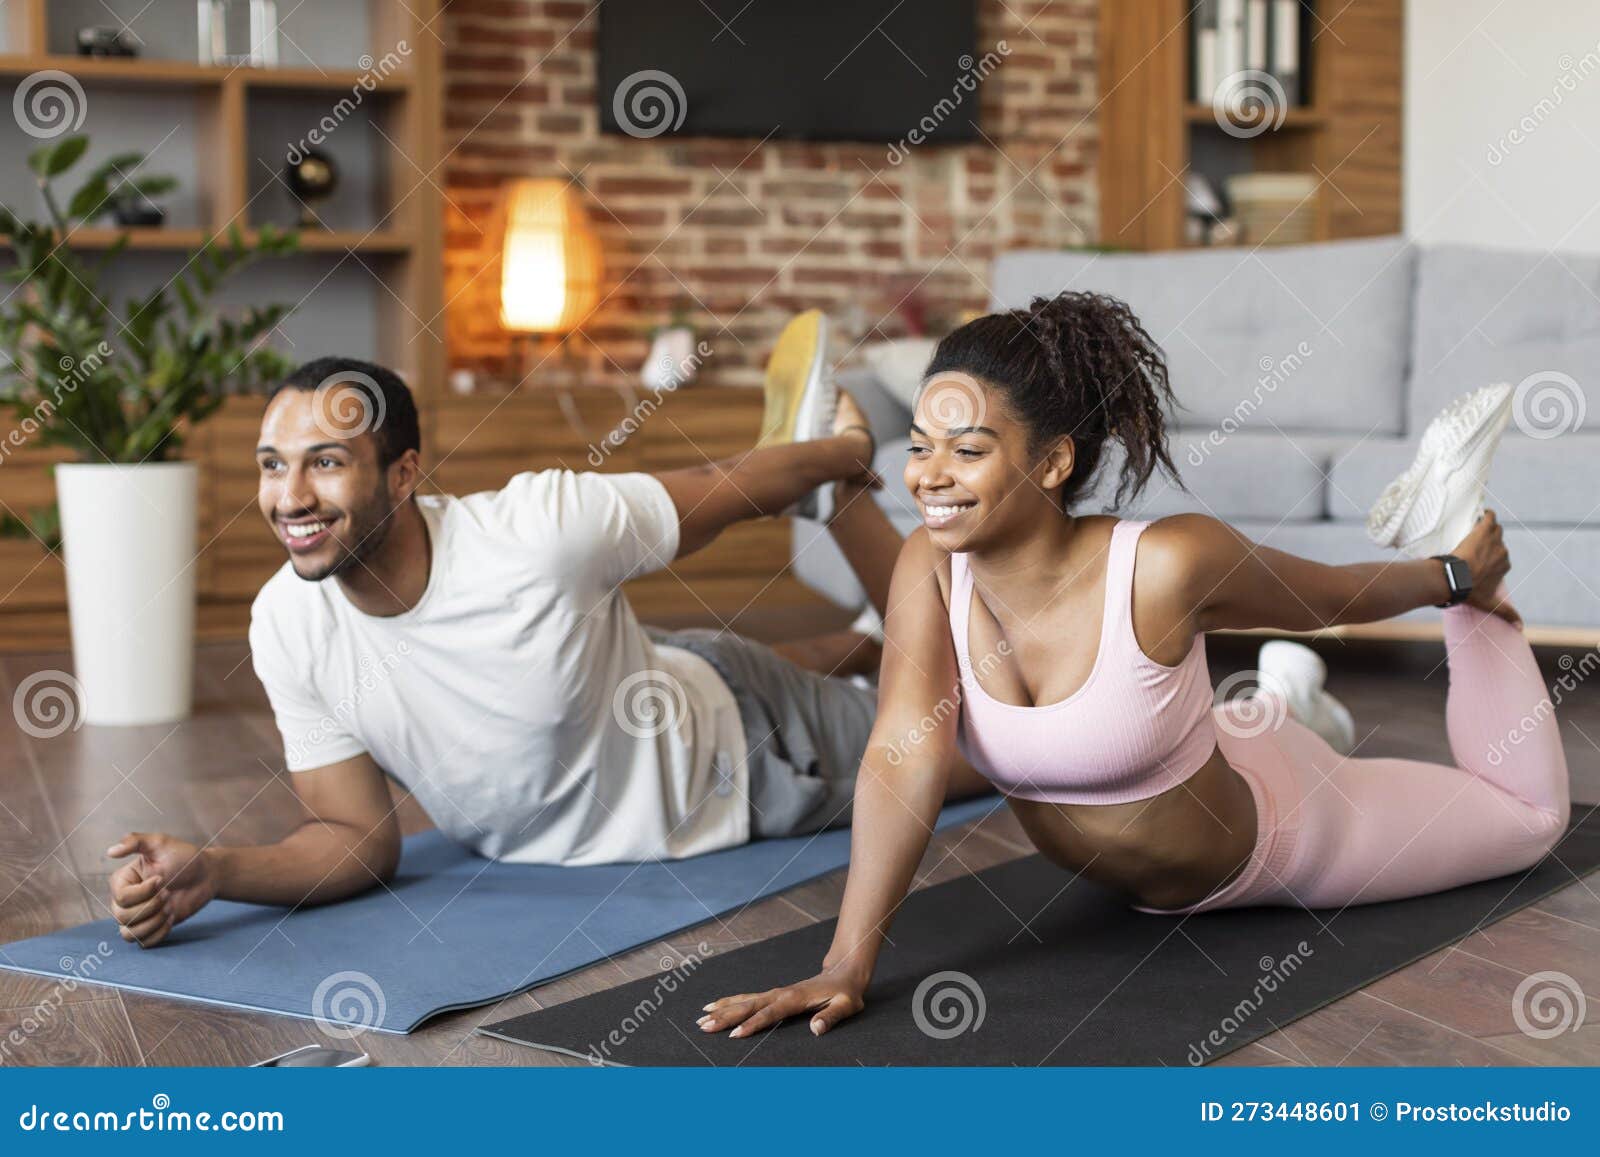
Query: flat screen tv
{"points": [[818, 70]]}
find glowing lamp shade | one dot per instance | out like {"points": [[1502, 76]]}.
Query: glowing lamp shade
{"points": [[550, 265]]}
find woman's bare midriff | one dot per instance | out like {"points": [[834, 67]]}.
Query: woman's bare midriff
{"points": [[1169, 850]]}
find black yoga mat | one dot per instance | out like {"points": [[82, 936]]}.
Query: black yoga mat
{"points": [[1017, 966]]}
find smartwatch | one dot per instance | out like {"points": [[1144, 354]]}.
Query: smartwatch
{"points": [[1459, 575]]}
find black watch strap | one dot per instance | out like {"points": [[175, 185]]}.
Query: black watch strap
{"points": [[1459, 575]]}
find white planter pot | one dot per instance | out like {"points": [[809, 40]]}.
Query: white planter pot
{"points": [[129, 537]]}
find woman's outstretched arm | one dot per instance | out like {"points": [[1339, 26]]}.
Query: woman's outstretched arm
{"points": [[1227, 581], [902, 783]]}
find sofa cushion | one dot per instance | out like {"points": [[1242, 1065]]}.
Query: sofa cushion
{"points": [[1245, 475], [1533, 482], [1486, 315], [1308, 337]]}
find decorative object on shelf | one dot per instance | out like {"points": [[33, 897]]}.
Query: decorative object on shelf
{"points": [[107, 40], [131, 198], [1203, 208], [311, 176], [550, 265], [1274, 208], [239, 32], [672, 361], [1245, 57], [124, 391]]}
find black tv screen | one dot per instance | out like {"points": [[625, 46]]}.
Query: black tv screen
{"points": [[820, 70]]}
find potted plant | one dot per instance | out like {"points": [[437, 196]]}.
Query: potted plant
{"points": [[122, 384]]}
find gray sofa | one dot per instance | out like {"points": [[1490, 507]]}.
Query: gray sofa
{"points": [[1306, 373]]}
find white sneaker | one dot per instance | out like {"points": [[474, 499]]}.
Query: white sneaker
{"points": [[801, 399], [1430, 508], [1298, 673]]}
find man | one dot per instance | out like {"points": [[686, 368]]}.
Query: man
{"points": [[479, 651]]}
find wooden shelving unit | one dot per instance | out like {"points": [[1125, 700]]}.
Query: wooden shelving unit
{"points": [[1294, 118], [1348, 135], [183, 240], [158, 74], [401, 249]]}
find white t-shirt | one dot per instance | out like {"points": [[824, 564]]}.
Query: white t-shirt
{"points": [[519, 699]]}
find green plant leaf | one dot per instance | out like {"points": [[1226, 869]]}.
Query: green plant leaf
{"points": [[43, 525], [54, 159], [91, 200], [152, 187], [124, 375]]}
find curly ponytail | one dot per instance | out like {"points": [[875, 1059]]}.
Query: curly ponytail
{"points": [[1079, 365]]}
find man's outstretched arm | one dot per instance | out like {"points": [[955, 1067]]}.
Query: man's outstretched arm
{"points": [[348, 842]]}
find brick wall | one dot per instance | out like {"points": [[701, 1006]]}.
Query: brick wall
{"points": [[741, 234]]}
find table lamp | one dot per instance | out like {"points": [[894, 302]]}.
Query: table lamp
{"points": [[550, 261]]}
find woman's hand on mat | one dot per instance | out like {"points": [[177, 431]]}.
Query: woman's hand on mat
{"points": [[169, 881], [828, 997], [1484, 552]]}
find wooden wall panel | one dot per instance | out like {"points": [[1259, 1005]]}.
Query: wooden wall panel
{"points": [[1143, 51], [1360, 56]]}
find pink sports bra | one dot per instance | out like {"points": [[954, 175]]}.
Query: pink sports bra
{"points": [[1134, 729]]}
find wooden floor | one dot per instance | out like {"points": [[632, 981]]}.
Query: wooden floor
{"points": [[65, 799]]}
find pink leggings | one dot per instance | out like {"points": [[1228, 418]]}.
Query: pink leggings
{"points": [[1334, 831]]}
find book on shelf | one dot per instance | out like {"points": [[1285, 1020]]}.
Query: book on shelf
{"points": [[1254, 44]]}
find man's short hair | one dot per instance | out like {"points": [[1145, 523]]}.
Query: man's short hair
{"points": [[387, 410]]}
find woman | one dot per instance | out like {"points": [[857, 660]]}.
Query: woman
{"points": [[1074, 648]]}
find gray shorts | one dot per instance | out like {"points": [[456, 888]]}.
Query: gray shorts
{"points": [[806, 732]]}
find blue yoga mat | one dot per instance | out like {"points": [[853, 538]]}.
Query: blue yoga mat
{"points": [[451, 931]]}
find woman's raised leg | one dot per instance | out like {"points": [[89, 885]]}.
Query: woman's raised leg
{"points": [[1367, 830]]}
